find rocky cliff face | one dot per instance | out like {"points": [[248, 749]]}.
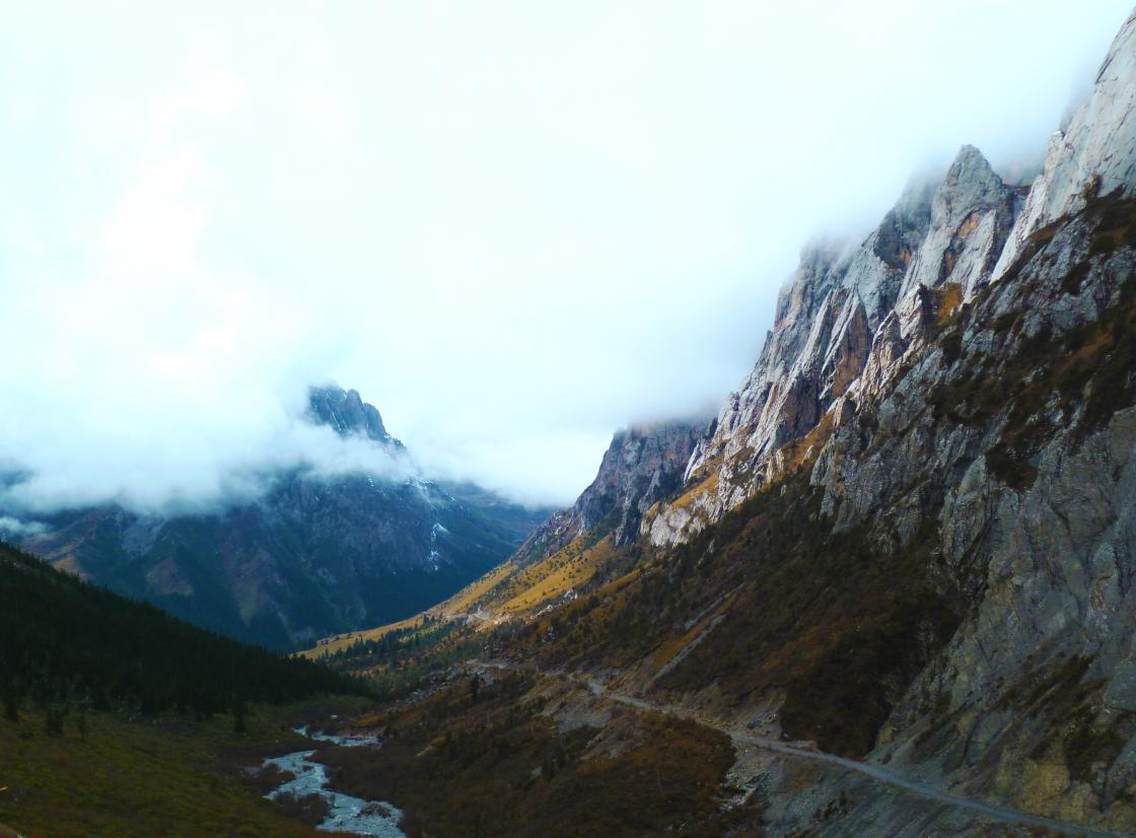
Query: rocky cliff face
{"points": [[1094, 156], [960, 388], [312, 557], [844, 321], [643, 465], [1006, 445]]}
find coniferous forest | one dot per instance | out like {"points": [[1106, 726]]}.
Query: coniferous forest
{"points": [[68, 644]]}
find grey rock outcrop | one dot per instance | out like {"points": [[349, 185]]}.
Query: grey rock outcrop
{"points": [[642, 465], [1094, 156], [971, 214]]}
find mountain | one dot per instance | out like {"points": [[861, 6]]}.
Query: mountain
{"points": [[345, 412], [840, 314], [315, 555], [642, 465], [891, 593]]}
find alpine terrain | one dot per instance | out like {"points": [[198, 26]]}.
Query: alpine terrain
{"points": [[889, 590], [886, 587]]}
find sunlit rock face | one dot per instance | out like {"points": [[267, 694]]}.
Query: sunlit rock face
{"points": [[848, 318]]}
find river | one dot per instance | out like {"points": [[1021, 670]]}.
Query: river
{"points": [[346, 814]]}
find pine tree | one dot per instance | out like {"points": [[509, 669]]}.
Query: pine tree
{"points": [[11, 705], [474, 688], [240, 712], [53, 716]]}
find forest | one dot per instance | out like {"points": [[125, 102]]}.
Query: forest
{"points": [[66, 645]]}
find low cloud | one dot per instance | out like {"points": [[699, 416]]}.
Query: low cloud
{"points": [[513, 230], [181, 476], [10, 526]]}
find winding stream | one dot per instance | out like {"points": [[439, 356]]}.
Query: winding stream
{"points": [[347, 813]]}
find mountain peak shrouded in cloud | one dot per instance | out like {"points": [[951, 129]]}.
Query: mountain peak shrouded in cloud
{"points": [[550, 224], [346, 413], [335, 434], [338, 529]]}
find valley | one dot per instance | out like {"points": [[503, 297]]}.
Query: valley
{"points": [[885, 587], [890, 582]]}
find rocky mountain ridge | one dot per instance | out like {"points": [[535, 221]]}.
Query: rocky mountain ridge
{"points": [[845, 323], [967, 412]]}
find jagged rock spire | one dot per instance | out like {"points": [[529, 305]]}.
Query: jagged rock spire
{"points": [[345, 412]]}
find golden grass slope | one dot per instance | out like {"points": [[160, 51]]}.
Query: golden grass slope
{"points": [[340, 642], [508, 591], [554, 577]]}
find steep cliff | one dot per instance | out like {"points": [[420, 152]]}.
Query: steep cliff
{"points": [[843, 320]]}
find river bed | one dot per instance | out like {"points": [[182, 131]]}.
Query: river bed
{"points": [[347, 813]]}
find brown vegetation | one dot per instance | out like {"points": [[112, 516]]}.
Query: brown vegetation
{"points": [[486, 761]]}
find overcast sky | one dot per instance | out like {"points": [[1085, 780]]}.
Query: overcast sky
{"points": [[513, 227]]}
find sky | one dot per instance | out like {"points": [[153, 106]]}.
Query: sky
{"points": [[514, 227]]}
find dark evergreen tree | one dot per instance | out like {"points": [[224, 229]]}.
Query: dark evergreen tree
{"points": [[11, 704], [240, 714], [474, 687]]}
